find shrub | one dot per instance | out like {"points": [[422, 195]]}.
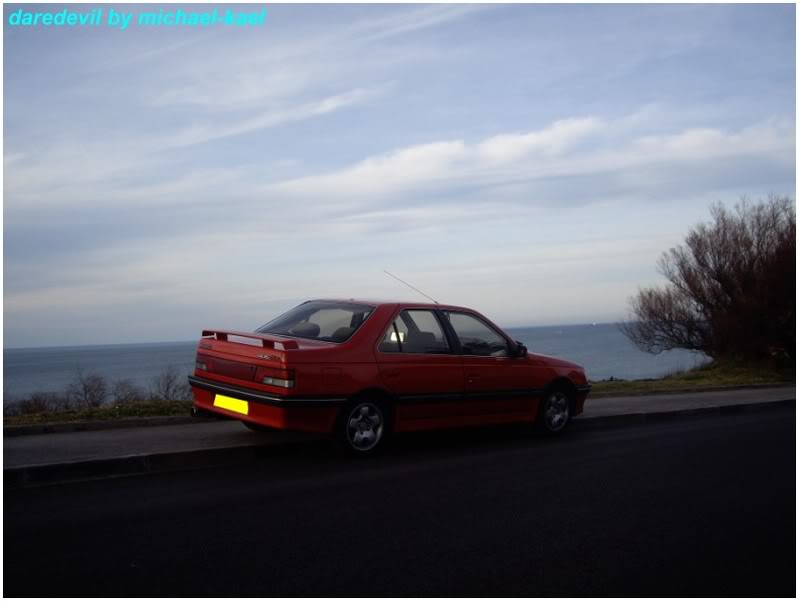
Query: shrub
{"points": [[37, 402], [731, 288]]}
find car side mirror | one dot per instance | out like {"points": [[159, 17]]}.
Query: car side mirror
{"points": [[521, 350]]}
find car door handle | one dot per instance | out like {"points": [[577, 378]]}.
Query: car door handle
{"points": [[470, 378], [391, 373]]}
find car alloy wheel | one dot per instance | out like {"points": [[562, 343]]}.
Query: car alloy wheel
{"points": [[556, 411], [364, 426]]}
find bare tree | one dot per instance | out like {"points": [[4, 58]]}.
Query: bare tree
{"points": [[125, 391], [57, 402], [170, 385], [87, 390], [731, 288]]}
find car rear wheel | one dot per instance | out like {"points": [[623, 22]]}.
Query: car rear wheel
{"points": [[363, 426], [555, 411]]}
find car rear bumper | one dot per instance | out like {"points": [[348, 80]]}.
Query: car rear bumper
{"points": [[303, 414]]}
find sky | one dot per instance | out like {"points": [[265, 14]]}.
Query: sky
{"points": [[529, 161]]}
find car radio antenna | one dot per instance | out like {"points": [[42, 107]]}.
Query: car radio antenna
{"points": [[409, 286]]}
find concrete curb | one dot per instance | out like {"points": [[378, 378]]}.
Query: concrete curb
{"points": [[55, 473], [605, 395], [652, 417], [111, 424]]}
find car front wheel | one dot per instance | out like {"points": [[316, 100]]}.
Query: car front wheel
{"points": [[555, 411]]}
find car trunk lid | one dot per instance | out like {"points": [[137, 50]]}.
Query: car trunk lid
{"points": [[242, 355]]}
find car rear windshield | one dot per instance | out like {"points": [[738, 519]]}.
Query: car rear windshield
{"points": [[317, 320]]}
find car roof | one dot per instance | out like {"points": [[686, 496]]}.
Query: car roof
{"points": [[404, 303]]}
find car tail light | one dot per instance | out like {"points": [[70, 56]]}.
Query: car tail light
{"points": [[282, 383]]}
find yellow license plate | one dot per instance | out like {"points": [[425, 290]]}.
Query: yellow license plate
{"points": [[231, 404]]}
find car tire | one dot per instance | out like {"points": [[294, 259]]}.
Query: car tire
{"points": [[364, 426], [555, 411], [257, 427]]}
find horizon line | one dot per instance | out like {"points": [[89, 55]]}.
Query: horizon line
{"points": [[91, 344]]}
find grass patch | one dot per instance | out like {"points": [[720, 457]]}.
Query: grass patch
{"points": [[713, 374], [108, 412]]}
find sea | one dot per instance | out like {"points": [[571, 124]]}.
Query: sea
{"points": [[601, 348]]}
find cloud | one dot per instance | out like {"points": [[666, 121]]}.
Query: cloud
{"points": [[290, 67], [553, 140], [559, 150], [89, 173], [443, 162], [409, 22], [273, 118], [584, 159]]}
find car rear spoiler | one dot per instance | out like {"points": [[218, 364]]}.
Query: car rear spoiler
{"points": [[268, 340]]}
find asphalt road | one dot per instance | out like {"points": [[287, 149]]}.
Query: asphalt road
{"points": [[701, 506]]}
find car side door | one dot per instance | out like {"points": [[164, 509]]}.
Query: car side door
{"points": [[498, 384], [420, 369]]}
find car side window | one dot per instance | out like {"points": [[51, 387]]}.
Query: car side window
{"points": [[477, 337], [393, 338], [415, 331]]}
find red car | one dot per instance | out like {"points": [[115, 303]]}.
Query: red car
{"points": [[363, 369]]}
